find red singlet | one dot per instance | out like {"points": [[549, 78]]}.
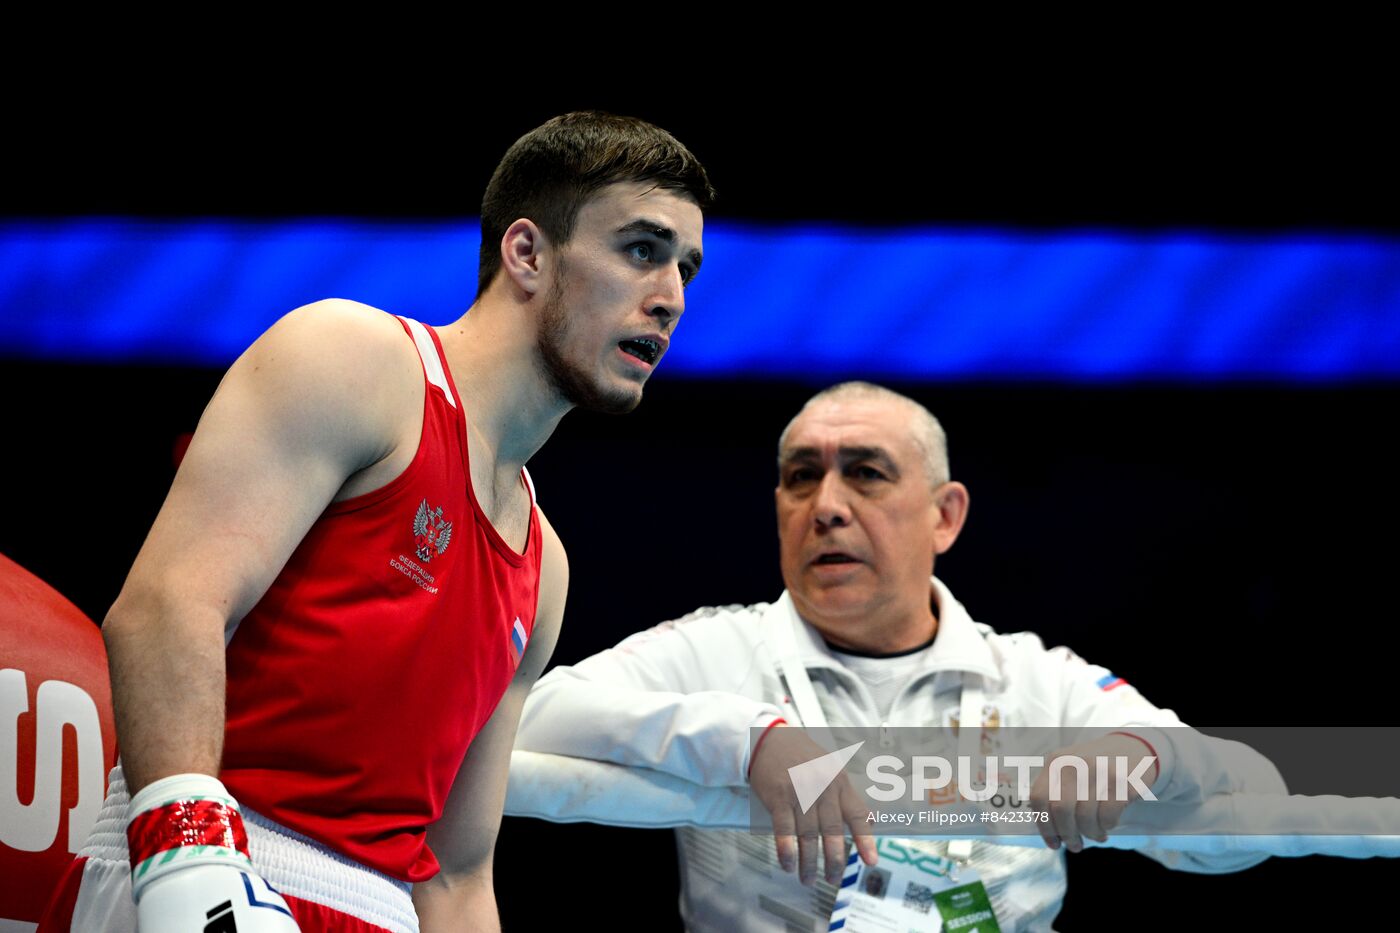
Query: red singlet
{"points": [[359, 680]]}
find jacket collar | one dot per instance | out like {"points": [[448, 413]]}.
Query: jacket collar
{"points": [[958, 645]]}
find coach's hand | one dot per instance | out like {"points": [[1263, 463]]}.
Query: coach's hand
{"points": [[190, 869], [801, 837], [1073, 818]]}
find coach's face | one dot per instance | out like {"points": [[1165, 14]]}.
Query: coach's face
{"points": [[859, 524], [617, 291]]}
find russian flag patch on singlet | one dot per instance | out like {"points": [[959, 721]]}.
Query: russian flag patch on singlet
{"points": [[1109, 681], [517, 641]]}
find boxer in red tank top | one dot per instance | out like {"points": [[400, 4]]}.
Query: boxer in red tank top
{"points": [[349, 590], [404, 598]]}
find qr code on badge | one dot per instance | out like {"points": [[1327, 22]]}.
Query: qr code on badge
{"points": [[917, 897]]}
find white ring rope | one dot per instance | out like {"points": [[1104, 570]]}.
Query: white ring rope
{"points": [[573, 790]]}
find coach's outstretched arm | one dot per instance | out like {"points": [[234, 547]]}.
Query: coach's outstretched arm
{"points": [[677, 699], [461, 897], [303, 417]]}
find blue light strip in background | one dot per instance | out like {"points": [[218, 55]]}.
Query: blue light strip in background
{"points": [[799, 301]]}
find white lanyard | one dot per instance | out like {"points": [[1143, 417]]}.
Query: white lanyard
{"points": [[781, 641], [793, 673], [969, 744], [808, 711]]}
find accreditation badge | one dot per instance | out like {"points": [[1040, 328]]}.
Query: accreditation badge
{"points": [[911, 890]]}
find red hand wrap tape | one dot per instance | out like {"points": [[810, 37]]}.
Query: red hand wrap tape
{"points": [[185, 823]]}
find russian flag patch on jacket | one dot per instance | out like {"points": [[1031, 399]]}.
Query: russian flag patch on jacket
{"points": [[1106, 682]]}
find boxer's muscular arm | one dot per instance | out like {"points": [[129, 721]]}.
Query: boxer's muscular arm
{"points": [[309, 405], [461, 897]]}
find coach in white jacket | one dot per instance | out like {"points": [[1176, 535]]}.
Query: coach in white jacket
{"points": [[861, 637]]}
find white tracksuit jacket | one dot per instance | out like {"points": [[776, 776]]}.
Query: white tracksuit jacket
{"points": [[681, 698]]}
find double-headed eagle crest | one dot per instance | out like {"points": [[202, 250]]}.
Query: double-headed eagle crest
{"points": [[430, 533]]}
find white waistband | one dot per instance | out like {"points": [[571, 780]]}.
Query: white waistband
{"points": [[290, 862]]}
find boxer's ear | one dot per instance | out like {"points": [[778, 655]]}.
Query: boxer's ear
{"points": [[525, 256]]}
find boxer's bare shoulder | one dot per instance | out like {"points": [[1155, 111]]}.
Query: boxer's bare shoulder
{"points": [[330, 396], [344, 376]]}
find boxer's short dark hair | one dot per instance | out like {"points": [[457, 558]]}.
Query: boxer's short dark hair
{"points": [[548, 174]]}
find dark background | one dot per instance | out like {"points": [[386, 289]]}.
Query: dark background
{"points": [[1226, 547]]}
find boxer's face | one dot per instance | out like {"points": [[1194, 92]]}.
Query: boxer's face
{"points": [[858, 523], [616, 293]]}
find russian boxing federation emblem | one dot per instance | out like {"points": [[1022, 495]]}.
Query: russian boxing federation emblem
{"points": [[431, 534]]}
